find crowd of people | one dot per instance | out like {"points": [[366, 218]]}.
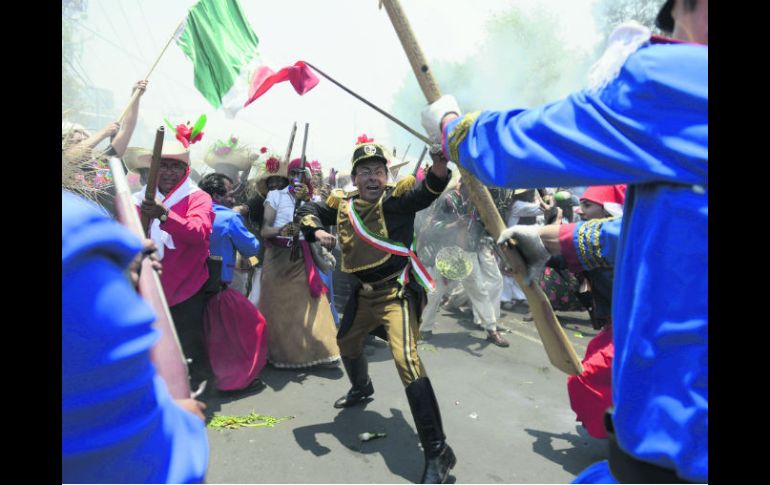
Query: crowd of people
{"points": [[249, 251]]}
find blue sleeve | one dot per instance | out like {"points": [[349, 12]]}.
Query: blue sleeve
{"points": [[649, 124], [119, 423], [243, 240]]}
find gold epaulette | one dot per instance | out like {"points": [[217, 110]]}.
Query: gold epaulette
{"points": [[335, 197], [459, 133], [404, 185]]}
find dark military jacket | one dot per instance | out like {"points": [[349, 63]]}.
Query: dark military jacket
{"points": [[392, 217]]}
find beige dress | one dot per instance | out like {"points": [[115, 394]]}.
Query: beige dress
{"points": [[300, 328]]}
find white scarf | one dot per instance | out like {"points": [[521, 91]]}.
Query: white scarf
{"points": [[624, 41], [161, 238]]}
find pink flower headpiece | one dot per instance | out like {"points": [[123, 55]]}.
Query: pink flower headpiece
{"points": [[272, 165], [222, 148]]}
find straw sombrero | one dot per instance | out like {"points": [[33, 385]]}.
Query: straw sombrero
{"points": [[269, 165], [68, 127], [136, 157], [222, 156]]}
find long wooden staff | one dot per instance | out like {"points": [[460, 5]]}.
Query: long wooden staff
{"points": [[557, 346], [167, 353], [152, 177]]}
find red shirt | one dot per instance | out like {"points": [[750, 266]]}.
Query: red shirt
{"points": [[189, 223]]}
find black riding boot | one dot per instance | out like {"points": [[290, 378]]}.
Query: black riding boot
{"points": [[439, 457], [358, 374]]}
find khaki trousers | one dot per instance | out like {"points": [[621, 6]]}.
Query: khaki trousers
{"points": [[385, 307]]}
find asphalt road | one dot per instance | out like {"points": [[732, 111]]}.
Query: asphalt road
{"points": [[505, 412]]}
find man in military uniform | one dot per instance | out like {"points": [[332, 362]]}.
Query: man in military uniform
{"points": [[375, 226]]}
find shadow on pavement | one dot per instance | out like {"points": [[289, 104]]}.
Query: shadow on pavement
{"points": [[468, 343], [399, 449], [277, 379], [583, 452]]}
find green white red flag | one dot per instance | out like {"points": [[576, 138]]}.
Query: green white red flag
{"points": [[217, 38], [221, 44]]}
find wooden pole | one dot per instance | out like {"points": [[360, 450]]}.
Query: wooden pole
{"points": [[167, 353], [152, 177]]}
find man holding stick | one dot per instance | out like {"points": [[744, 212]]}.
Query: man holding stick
{"points": [[375, 225], [643, 121], [181, 225]]}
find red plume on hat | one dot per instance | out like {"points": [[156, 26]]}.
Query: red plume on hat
{"points": [[187, 134], [611, 197], [364, 139]]}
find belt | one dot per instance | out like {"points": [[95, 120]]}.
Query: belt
{"points": [[280, 241], [386, 282], [628, 469]]}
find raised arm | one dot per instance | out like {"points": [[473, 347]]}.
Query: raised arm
{"points": [[120, 142], [613, 135]]}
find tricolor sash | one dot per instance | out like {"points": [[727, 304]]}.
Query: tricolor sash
{"points": [[392, 247]]}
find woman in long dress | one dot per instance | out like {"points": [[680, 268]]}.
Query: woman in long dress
{"points": [[293, 299]]}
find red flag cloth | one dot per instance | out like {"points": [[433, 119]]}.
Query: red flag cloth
{"points": [[236, 339], [299, 75]]}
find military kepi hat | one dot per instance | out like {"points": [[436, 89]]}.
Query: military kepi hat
{"points": [[368, 151]]}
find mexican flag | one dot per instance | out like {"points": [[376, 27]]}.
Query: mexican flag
{"points": [[219, 41]]}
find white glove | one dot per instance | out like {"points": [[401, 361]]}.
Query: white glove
{"points": [[532, 249], [434, 112]]}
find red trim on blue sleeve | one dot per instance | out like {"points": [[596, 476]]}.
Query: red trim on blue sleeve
{"points": [[568, 247]]}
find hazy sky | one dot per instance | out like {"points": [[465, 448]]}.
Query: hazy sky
{"points": [[351, 40]]}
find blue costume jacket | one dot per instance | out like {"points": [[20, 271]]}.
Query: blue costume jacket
{"points": [[230, 234], [648, 128], [119, 423]]}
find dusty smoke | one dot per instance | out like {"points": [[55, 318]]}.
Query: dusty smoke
{"points": [[522, 62]]}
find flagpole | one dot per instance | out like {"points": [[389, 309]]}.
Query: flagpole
{"points": [[137, 92], [389, 116]]}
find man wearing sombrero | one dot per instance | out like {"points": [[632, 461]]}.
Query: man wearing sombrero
{"points": [[375, 225], [182, 219]]}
